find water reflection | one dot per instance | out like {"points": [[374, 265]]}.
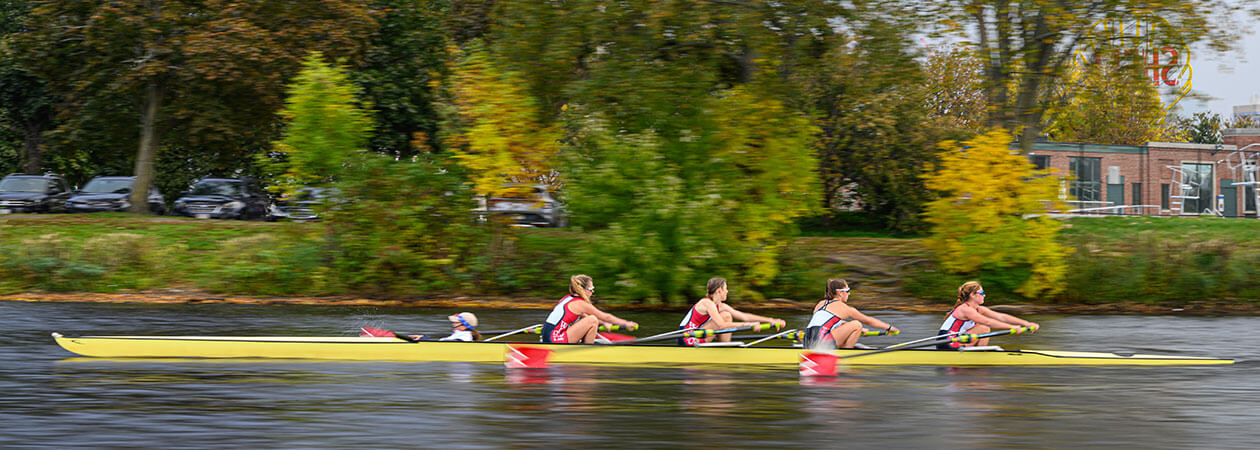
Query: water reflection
{"points": [[53, 400]]}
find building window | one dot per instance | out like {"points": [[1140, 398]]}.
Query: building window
{"points": [[1163, 196], [1088, 184], [1137, 193], [1042, 162], [1249, 198]]}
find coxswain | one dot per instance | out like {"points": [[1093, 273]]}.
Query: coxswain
{"points": [[574, 319], [971, 316], [463, 328], [835, 324], [713, 313]]}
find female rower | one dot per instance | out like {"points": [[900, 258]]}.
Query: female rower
{"points": [[575, 319], [463, 328], [837, 324], [714, 313], [971, 316]]}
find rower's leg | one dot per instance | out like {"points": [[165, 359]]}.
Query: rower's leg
{"points": [[979, 329], [726, 318], [584, 330], [847, 334]]}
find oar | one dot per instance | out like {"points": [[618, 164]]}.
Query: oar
{"points": [[532, 357], [706, 333], [962, 339], [522, 330], [800, 334]]}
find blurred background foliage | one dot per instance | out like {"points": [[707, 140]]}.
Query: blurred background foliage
{"points": [[688, 139]]}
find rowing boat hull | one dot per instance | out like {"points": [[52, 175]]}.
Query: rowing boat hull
{"points": [[391, 349]]}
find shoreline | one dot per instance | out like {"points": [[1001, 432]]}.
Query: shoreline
{"points": [[867, 301]]}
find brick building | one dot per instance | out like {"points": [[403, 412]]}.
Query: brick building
{"points": [[1159, 178]]}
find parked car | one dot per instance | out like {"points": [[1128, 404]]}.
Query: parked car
{"points": [[532, 206], [303, 204], [32, 193], [224, 198], [111, 194]]}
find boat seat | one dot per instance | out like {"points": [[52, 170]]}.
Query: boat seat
{"points": [[987, 348]]}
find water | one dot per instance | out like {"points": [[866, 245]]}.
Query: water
{"points": [[52, 399]]}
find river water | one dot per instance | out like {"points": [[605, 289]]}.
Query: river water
{"points": [[52, 399]]}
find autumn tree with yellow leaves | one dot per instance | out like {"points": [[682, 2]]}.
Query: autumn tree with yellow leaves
{"points": [[990, 220]]}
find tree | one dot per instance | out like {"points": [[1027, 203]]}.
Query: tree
{"points": [[325, 128], [877, 138], [1108, 102], [26, 106], [497, 130], [991, 216], [402, 69], [1029, 44], [954, 80], [199, 74]]}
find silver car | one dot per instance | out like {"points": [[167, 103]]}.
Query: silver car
{"points": [[534, 206]]}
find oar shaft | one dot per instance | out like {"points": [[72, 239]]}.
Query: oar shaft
{"points": [[539, 326], [939, 339], [773, 336]]}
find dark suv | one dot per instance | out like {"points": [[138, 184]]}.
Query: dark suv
{"points": [[224, 198], [32, 193], [111, 194]]}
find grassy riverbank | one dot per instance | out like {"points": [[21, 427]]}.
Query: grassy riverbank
{"points": [[1122, 260]]}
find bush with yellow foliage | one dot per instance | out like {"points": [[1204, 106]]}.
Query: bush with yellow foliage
{"points": [[990, 220]]}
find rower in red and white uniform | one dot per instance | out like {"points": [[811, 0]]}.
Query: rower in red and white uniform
{"points": [[970, 316], [835, 324], [574, 319], [714, 313]]}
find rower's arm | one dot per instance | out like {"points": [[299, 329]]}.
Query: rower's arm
{"points": [[752, 318], [1005, 318], [587, 308], [868, 320]]}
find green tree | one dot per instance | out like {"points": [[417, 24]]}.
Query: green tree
{"points": [[26, 105], [325, 129], [990, 219], [199, 75], [401, 70], [877, 137]]}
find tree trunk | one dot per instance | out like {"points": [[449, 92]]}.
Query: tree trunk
{"points": [[148, 148], [33, 150]]}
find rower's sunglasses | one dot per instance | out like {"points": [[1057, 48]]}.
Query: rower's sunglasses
{"points": [[980, 292], [464, 322], [844, 289]]}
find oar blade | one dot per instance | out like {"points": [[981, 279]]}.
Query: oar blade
{"points": [[375, 332], [817, 364], [525, 357]]}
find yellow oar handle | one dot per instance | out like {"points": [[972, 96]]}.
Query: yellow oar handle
{"points": [[701, 334], [797, 335], [881, 333], [614, 328], [535, 330], [969, 338]]}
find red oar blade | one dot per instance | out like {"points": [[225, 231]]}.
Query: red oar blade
{"points": [[615, 337], [374, 332], [815, 364], [525, 357]]}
